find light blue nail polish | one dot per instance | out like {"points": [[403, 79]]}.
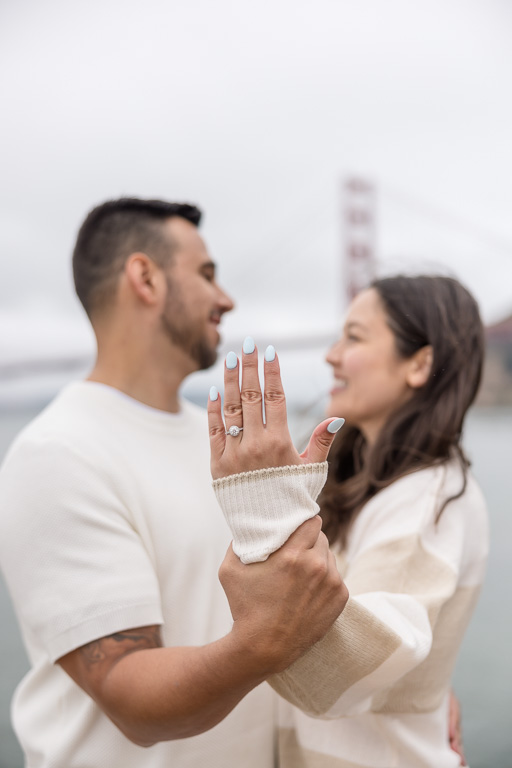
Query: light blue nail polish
{"points": [[270, 353], [335, 425], [231, 360], [248, 345], [214, 393]]}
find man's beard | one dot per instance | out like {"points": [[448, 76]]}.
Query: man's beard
{"points": [[175, 325]]}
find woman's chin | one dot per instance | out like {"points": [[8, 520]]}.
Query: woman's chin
{"points": [[335, 407]]}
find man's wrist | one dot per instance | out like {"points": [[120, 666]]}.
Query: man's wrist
{"points": [[262, 654]]}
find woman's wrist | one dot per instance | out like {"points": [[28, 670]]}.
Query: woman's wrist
{"points": [[264, 507]]}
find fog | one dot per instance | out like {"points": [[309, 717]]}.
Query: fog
{"points": [[256, 112]]}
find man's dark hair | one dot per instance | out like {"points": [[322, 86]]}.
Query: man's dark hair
{"points": [[114, 230]]}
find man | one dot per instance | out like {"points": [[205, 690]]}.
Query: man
{"points": [[110, 538]]}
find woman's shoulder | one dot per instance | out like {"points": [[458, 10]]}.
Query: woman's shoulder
{"points": [[419, 487], [411, 505], [437, 482]]}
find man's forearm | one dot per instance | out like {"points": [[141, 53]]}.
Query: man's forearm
{"points": [[159, 694], [280, 608]]}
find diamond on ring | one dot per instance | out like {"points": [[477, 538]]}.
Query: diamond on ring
{"points": [[234, 431]]}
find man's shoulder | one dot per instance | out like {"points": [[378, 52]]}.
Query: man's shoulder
{"points": [[193, 410], [68, 420], [96, 423]]}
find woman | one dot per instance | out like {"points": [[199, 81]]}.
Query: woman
{"points": [[405, 518]]}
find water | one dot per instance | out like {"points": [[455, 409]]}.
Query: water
{"points": [[483, 678], [14, 661]]}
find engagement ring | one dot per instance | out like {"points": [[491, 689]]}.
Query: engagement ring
{"points": [[234, 431]]}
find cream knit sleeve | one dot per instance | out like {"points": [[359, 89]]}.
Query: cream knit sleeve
{"points": [[413, 583], [264, 507]]}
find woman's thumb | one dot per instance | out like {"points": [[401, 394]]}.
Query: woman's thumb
{"points": [[321, 440]]}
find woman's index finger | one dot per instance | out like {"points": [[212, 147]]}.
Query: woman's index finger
{"points": [[216, 430]]}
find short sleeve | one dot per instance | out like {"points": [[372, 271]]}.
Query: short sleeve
{"points": [[73, 560]]}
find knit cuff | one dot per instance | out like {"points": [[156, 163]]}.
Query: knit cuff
{"points": [[264, 507]]}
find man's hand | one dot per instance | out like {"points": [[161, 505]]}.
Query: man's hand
{"points": [[286, 604], [280, 608]]}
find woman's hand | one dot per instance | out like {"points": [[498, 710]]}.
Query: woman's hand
{"points": [[455, 729], [258, 445]]}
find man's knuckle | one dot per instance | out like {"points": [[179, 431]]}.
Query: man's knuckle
{"points": [[314, 570], [320, 569], [334, 580], [290, 559]]}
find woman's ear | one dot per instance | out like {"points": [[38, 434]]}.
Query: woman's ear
{"points": [[420, 367], [143, 276]]}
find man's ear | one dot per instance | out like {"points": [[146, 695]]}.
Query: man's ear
{"points": [[144, 277], [420, 367]]}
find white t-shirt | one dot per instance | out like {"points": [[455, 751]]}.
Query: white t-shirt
{"points": [[108, 522]]}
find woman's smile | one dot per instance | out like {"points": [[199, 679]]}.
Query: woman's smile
{"points": [[370, 377]]}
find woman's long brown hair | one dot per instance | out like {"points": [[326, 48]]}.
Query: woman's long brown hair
{"points": [[427, 429]]}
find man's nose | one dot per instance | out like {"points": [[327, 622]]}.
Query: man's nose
{"points": [[225, 301]]}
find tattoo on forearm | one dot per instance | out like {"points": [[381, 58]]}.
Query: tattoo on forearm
{"points": [[121, 644]]}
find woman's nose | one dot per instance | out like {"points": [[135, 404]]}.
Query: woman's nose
{"points": [[333, 355]]}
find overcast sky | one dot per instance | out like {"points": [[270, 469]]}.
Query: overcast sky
{"points": [[256, 112]]}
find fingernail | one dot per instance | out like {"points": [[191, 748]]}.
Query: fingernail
{"points": [[214, 393], [231, 360], [270, 353], [335, 425], [248, 345]]}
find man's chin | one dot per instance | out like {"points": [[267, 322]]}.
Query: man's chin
{"points": [[205, 357]]}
